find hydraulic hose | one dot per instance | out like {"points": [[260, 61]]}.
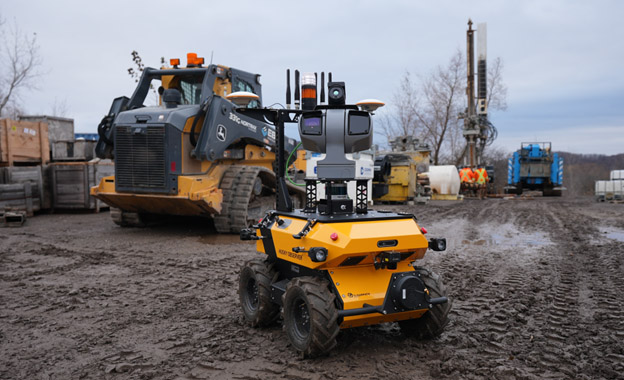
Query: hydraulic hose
{"points": [[288, 165], [192, 134], [203, 108]]}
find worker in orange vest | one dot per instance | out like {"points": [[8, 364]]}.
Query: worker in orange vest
{"points": [[466, 175], [481, 176]]}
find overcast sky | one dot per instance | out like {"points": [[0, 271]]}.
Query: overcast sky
{"points": [[563, 59]]}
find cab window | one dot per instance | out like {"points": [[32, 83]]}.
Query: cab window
{"points": [[191, 91]]}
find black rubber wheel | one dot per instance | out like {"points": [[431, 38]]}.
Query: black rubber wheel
{"points": [[310, 316], [433, 322], [254, 290]]}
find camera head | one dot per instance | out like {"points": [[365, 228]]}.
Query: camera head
{"points": [[336, 95]]}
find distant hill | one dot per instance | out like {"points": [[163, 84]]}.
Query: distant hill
{"points": [[582, 170]]}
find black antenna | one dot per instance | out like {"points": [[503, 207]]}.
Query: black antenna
{"points": [[297, 95], [322, 86], [288, 88], [283, 201], [316, 86], [329, 78]]}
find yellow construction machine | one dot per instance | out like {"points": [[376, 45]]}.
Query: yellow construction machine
{"points": [[398, 176], [335, 264], [194, 153]]}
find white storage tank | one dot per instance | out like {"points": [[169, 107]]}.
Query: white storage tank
{"points": [[444, 179], [617, 174], [618, 189], [610, 190], [600, 190]]}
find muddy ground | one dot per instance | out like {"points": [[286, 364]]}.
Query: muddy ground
{"points": [[537, 288]]}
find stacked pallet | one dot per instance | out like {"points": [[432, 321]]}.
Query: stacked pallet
{"points": [[71, 182], [16, 197], [13, 178]]}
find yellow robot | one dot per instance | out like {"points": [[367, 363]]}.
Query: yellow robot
{"points": [[335, 264]]}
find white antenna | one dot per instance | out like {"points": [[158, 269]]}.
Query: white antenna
{"points": [[211, 54]]}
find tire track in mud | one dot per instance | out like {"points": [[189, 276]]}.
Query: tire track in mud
{"points": [[570, 326], [534, 318]]}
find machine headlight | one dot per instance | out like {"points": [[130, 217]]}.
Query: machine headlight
{"points": [[437, 244], [318, 254]]}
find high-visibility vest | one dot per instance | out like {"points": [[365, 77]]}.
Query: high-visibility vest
{"points": [[481, 175], [466, 175]]}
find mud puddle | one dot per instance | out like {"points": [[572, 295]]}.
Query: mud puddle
{"points": [[506, 235], [613, 233]]}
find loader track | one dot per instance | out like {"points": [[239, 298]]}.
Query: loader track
{"points": [[239, 199], [242, 206]]}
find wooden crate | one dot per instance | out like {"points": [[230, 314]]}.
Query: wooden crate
{"points": [[23, 142], [59, 128], [78, 150], [71, 182]]}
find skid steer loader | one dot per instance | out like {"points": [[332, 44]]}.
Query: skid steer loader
{"points": [[195, 153]]}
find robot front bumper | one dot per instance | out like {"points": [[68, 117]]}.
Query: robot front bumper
{"points": [[367, 260]]}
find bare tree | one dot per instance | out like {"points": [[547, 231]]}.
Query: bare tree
{"points": [[140, 67], [401, 121], [138, 72], [443, 97], [430, 109], [60, 108], [19, 64], [497, 90]]}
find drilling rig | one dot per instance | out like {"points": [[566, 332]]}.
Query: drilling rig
{"points": [[478, 131]]}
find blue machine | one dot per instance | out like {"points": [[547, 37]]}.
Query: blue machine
{"points": [[86, 136], [535, 167]]}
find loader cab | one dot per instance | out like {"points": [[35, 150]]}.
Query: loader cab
{"points": [[196, 84], [224, 81]]}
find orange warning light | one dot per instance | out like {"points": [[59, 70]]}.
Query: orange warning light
{"points": [[309, 93], [193, 60]]}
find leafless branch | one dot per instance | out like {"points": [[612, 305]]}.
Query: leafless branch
{"points": [[429, 109], [20, 63], [60, 108], [497, 91]]}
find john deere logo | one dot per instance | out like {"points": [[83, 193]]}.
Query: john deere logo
{"points": [[221, 132]]}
